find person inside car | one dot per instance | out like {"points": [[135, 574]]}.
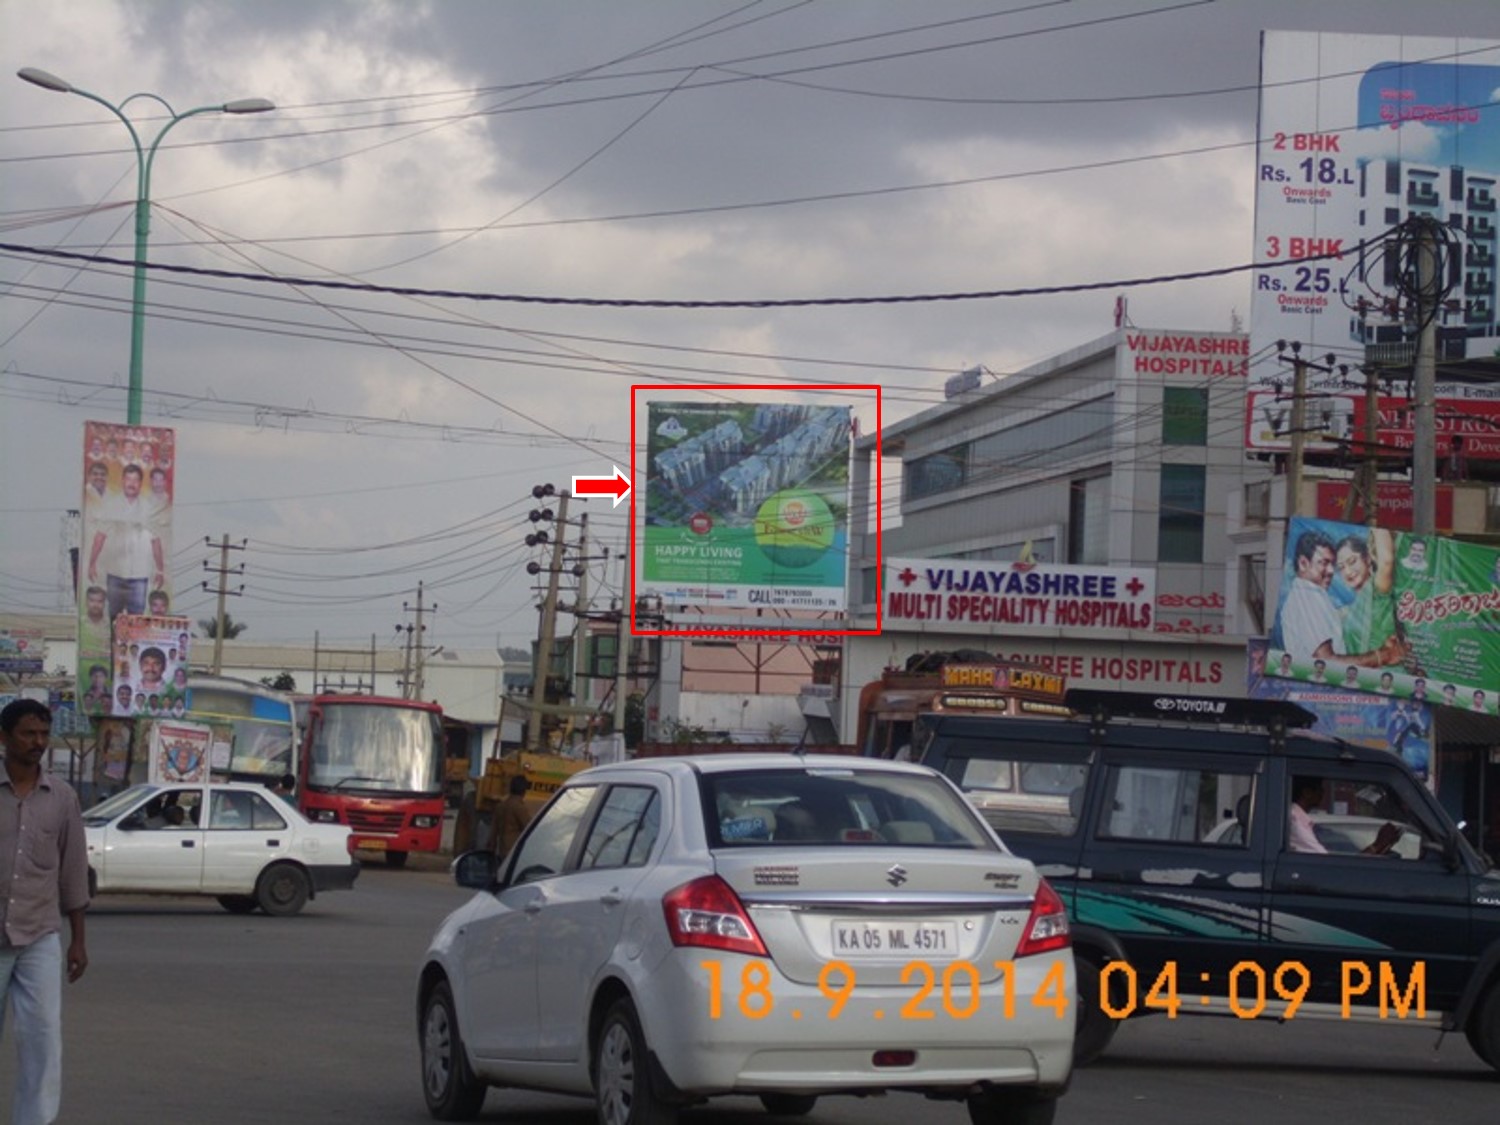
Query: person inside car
{"points": [[1307, 794]]}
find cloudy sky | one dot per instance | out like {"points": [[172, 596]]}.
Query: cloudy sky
{"points": [[654, 150]]}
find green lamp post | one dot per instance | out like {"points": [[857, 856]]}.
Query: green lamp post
{"points": [[144, 158]]}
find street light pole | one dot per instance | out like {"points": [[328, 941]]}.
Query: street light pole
{"points": [[144, 157]]}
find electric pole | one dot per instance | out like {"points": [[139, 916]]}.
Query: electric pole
{"points": [[548, 632], [414, 658], [1424, 409], [224, 572]]}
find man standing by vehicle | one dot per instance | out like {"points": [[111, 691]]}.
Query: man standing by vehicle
{"points": [[43, 875], [512, 817]]}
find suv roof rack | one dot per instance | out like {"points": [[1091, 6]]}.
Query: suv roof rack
{"points": [[1276, 715]]}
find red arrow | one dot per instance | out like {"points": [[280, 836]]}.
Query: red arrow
{"points": [[617, 485]]}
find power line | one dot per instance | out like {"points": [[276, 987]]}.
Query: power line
{"points": [[659, 303]]}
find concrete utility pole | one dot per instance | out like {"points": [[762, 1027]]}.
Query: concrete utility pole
{"points": [[413, 664], [1299, 433], [580, 613], [548, 630], [1424, 408], [1366, 484], [224, 571]]}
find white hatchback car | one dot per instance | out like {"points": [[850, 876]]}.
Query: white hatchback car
{"points": [[673, 929], [239, 842]]}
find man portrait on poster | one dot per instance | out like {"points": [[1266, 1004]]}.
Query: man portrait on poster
{"points": [[135, 561], [1312, 626]]}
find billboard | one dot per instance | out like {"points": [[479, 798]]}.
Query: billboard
{"points": [[747, 505], [128, 477], [1371, 609], [22, 651], [1384, 721], [965, 596], [1357, 134]]}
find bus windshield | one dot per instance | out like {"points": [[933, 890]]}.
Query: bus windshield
{"points": [[371, 746]]}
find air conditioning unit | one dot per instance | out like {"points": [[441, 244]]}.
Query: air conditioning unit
{"points": [[963, 381]]}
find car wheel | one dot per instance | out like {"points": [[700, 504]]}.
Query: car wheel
{"points": [[1011, 1107], [282, 890], [789, 1105], [622, 1073], [1095, 1028], [238, 904], [1483, 1031], [396, 859], [451, 1090]]}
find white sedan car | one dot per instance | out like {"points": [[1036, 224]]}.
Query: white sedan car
{"points": [[774, 925], [239, 842]]}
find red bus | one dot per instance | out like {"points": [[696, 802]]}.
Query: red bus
{"points": [[375, 764]]}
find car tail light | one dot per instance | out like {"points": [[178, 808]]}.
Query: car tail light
{"points": [[708, 913], [1047, 928]]}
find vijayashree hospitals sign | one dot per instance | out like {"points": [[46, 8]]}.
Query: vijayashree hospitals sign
{"points": [[978, 597]]}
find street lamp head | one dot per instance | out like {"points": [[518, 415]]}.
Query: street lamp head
{"points": [[249, 105], [46, 81]]}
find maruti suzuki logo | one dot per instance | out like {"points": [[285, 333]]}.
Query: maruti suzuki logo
{"points": [[896, 875]]}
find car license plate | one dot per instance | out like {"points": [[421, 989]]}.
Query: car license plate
{"points": [[895, 939]]}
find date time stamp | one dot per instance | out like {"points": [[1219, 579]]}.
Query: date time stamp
{"points": [[960, 990]]}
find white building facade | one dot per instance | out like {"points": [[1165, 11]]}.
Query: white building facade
{"points": [[1072, 514]]}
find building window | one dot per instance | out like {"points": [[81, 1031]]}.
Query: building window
{"points": [[1184, 415], [604, 649], [1088, 521], [937, 472], [1180, 520]]}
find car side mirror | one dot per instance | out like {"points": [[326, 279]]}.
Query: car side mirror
{"points": [[476, 869]]}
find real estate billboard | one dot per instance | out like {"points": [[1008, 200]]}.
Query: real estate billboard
{"points": [[747, 505], [1357, 135], [1371, 609]]}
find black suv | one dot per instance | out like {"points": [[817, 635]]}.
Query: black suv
{"points": [[1168, 826]]}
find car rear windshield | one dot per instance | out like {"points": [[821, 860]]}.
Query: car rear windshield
{"points": [[844, 806]]}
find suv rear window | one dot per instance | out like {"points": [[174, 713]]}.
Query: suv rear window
{"points": [[836, 806], [1182, 805], [1017, 793]]}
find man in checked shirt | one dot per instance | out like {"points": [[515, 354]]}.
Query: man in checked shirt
{"points": [[44, 874]]}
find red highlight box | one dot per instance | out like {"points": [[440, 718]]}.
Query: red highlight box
{"points": [[815, 628]]}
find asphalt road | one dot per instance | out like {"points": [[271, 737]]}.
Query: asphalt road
{"points": [[189, 1014]]}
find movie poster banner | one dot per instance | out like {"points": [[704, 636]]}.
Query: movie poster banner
{"points": [[179, 752], [128, 476], [150, 666], [746, 505], [1371, 609], [1358, 134], [1384, 721]]}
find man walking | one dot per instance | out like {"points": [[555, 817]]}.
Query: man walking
{"points": [[43, 875]]}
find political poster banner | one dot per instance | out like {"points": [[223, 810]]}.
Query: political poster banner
{"points": [[1360, 134], [150, 666], [746, 505], [1371, 609], [128, 478], [179, 752], [1383, 720]]}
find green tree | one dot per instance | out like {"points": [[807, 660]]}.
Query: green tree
{"points": [[232, 628], [282, 681]]}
